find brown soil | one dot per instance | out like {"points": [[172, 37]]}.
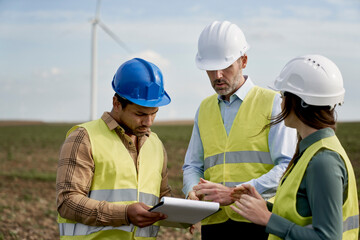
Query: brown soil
{"points": [[27, 192], [28, 211]]}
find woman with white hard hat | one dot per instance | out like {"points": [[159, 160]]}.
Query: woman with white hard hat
{"points": [[317, 195]]}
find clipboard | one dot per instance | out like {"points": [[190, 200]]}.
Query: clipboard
{"points": [[182, 213]]}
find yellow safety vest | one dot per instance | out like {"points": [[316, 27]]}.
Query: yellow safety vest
{"points": [[285, 198], [244, 154], [116, 180]]}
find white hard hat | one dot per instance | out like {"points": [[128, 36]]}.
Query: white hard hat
{"points": [[313, 78], [220, 45]]}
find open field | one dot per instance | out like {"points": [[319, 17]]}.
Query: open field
{"points": [[28, 161]]}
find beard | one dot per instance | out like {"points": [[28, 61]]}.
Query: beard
{"points": [[227, 89], [137, 131], [141, 131]]}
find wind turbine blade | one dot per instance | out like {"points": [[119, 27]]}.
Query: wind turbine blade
{"points": [[97, 13], [113, 36]]}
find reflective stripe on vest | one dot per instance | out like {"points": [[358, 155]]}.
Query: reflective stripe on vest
{"points": [[123, 195], [287, 191], [79, 229], [116, 180], [350, 223], [238, 157], [244, 153]]}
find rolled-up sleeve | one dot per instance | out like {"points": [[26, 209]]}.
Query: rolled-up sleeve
{"points": [[74, 177]]}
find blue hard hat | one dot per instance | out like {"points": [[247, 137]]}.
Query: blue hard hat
{"points": [[140, 82]]}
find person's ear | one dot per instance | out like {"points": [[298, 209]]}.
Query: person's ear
{"points": [[116, 104], [244, 61]]}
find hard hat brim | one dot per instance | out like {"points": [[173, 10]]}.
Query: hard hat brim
{"points": [[212, 65], [312, 99], [164, 100]]}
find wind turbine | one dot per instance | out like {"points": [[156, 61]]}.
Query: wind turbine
{"points": [[95, 22]]}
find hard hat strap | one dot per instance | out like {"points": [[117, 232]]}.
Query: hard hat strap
{"points": [[304, 104]]}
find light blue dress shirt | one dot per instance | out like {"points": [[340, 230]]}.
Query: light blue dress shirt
{"points": [[282, 144]]}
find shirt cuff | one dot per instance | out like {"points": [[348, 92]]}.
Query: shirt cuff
{"points": [[120, 215], [278, 226]]}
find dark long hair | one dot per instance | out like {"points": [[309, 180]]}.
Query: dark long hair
{"points": [[317, 117]]}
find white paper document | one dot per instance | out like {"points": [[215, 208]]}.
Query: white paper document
{"points": [[184, 212]]}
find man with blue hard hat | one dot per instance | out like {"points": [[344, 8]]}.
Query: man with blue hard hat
{"points": [[112, 170]]}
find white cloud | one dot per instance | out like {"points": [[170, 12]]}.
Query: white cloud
{"points": [[45, 15], [342, 2], [55, 71], [56, 46], [268, 12], [153, 57], [47, 73], [349, 14], [195, 8], [308, 13]]}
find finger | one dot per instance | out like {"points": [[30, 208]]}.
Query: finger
{"points": [[246, 187], [255, 193], [146, 207], [244, 197], [207, 195], [192, 229], [201, 186], [235, 195], [238, 192], [199, 196], [196, 186], [203, 181], [239, 188], [245, 201], [236, 209], [152, 219], [145, 223], [150, 215], [204, 191], [241, 211], [242, 203], [192, 196]]}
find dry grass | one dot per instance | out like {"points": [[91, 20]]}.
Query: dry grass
{"points": [[28, 161]]}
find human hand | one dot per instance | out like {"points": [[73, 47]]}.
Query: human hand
{"points": [[237, 192], [139, 215], [192, 195], [195, 227], [209, 191], [252, 206]]}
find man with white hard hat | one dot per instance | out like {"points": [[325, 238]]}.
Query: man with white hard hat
{"points": [[228, 147]]}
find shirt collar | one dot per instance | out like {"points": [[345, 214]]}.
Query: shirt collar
{"points": [[111, 122], [314, 137], [242, 91]]}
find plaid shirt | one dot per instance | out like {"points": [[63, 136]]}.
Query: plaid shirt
{"points": [[75, 173]]}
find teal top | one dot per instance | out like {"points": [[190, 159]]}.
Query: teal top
{"points": [[320, 195]]}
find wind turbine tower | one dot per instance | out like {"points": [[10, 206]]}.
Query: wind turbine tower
{"points": [[95, 22], [94, 63]]}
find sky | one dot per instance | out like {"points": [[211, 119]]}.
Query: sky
{"points": [[45, 50]]}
